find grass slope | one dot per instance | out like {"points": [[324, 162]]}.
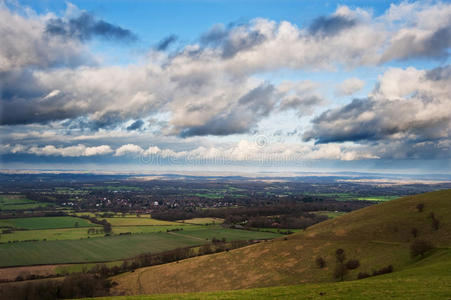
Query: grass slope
{"points": [[378, 236]]}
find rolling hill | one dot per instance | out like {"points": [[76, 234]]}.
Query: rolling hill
{"points": [[377, 236]]}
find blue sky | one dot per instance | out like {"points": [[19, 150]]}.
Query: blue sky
{"points": [[286, 85]]}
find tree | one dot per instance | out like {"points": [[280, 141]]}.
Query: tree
{"points": [[420, 207], [340, 269], [320, 262], [107, 228], [435, 222], [340, 255], [420, 247]]}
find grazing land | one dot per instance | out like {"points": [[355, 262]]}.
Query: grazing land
{"points": [[101, 249], [427, 279], [118, 221], [18, 202], [45, 223], [203, 221]]}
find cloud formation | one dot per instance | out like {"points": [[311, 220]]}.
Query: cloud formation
{"points": [[220, 85], [408, 106], [84, 27], [350, 86]]}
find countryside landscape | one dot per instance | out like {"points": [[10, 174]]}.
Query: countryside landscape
{"points": [[110, 235], [225, 149]]}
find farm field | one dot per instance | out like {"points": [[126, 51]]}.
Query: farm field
{"points": [[112, 248], [378, 198], [347, 197], [329, 214], [203, 221], [45, 223], [135, 221], [229, 234], [18, 202], [276, 230], [48, 234]]}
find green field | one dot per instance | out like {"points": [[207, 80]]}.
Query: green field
{"points": [[329, 214], [349, 197], [378, 198], [209, 195], [203, 221], [47, 234], [229, 234], [114, 188], [45, 222], [276, 230], [18, 202], [82, 232], [134, 221], [115, 247]]}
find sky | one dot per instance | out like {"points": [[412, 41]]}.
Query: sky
{"points": [[217, 85]]}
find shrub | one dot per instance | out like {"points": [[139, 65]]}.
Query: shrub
{"points": [[320, 262], [435, 224], [420, 207], [352, 264], [363, 275], [385, 270], [420, 247]]}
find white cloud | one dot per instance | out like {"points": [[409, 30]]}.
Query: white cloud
{"points": [[350, 86], [128, 149], [70, 151]]}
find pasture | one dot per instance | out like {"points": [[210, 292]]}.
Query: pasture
{"points": [[45, 223], [135, 221], [203, 221], [18, 202], [101, 249]]}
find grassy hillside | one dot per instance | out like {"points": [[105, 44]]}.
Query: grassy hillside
{"points": [[427, 279], [378, 236]]}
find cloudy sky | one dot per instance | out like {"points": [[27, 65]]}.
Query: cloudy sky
{"points": [[225, 85]]}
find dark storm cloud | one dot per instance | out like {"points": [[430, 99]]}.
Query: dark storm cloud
{"points": [[330, 25], [166, 42], [85, 27], [138, 124], [241, 118]]}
